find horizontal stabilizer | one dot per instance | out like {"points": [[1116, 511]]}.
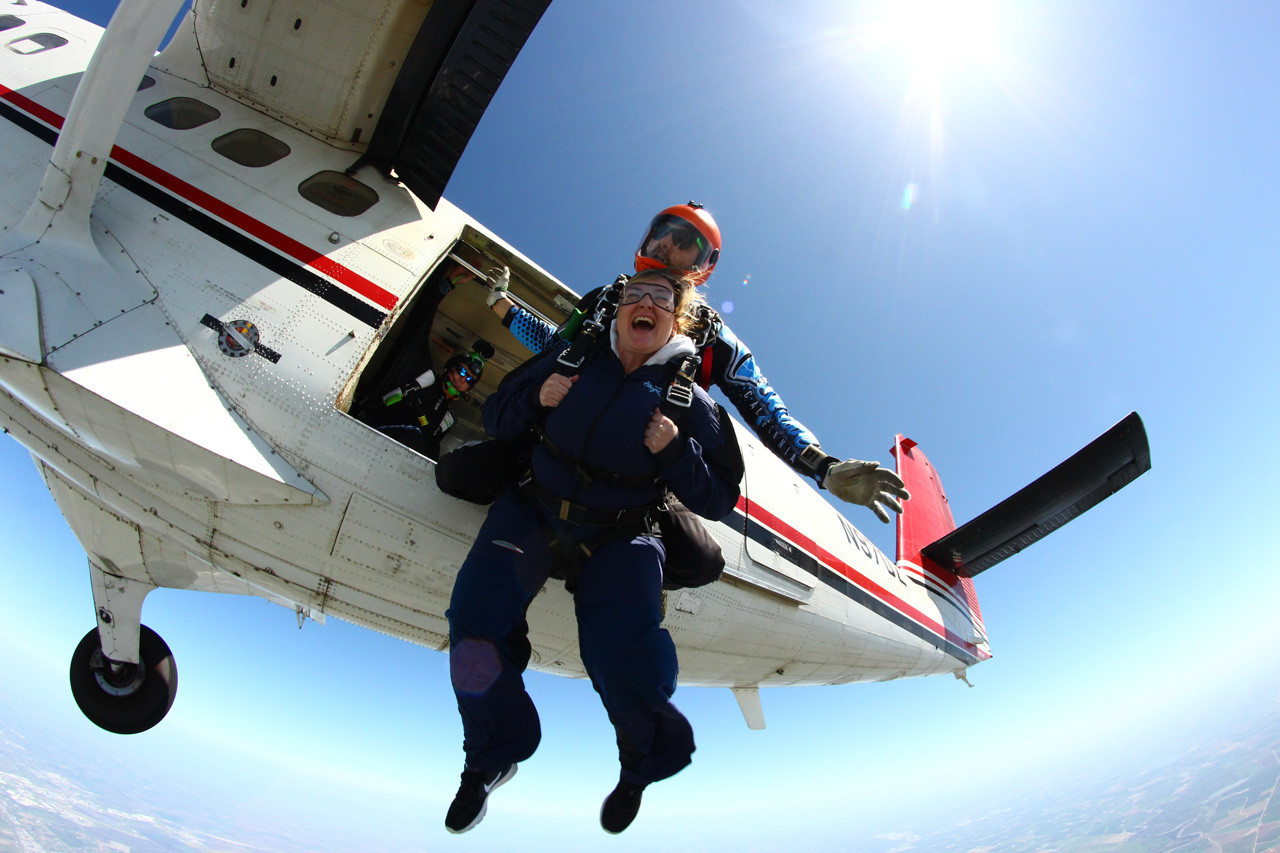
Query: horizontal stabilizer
{"points": [[1108, 464]]}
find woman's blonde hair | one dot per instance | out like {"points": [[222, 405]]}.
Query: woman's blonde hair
{"points": [[685, 288]]}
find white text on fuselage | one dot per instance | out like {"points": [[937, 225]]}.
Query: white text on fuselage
{"points": [[862, 544]]}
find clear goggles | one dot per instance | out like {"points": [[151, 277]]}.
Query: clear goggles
{"points": [[682, 237], [659, 294]]}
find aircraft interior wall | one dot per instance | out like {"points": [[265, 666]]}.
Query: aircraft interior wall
{"points": [[446, 315]]}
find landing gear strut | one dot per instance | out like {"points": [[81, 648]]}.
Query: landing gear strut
{"points": [[125, 698]]}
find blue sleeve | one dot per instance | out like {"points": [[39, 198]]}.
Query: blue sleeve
{"points": [[734, 370], [513, 408], [685, 464], [532, 333]]}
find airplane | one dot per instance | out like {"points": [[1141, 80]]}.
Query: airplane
{"points": [[211, 253]]}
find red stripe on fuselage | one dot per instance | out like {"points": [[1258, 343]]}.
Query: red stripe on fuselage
{"points": [[253, 227], [44, 114], [763, 516]]}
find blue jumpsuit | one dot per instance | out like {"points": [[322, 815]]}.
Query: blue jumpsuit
{"points": [[735, 372], [629, 657]]}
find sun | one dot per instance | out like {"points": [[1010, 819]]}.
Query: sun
{"points": [[938, 36]]}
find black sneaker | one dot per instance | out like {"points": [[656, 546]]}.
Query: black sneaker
{"points": [[472, 799], [621, 807]]}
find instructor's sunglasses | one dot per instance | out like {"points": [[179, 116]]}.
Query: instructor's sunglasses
{"points": [[681, 238]]}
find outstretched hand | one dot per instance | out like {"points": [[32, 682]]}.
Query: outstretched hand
{"points": [[660, 431], [868, 484]]}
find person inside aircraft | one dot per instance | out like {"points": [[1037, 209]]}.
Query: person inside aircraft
{"points": [[609, 449], [685, 237], [417, 414]]}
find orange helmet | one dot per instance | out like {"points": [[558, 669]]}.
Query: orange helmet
{"points": [[683, 237]]}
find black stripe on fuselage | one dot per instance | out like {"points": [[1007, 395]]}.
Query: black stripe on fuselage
{"points": [[27, 123], [220, 231], [794, 555]]}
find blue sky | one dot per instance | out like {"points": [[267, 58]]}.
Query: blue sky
{"points": [[999, 255]]}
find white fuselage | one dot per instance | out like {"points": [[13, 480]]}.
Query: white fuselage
{"points": [[182, 459]]}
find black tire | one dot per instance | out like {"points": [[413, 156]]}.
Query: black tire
{"points": [[126, 699]]}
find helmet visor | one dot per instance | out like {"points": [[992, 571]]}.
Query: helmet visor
{"points": [[675, 243]]}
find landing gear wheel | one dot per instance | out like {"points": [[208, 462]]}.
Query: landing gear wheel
{"points": [[124, 698]]}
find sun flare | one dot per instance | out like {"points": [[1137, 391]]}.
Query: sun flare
{"points": [[937, 36]]}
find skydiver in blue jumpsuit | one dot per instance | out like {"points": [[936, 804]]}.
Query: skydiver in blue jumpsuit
{"points": [[685, 237], [606, 457]]}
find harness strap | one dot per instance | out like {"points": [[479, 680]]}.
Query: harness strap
{"points": [[568, 557], [705, 378], [591, 334], [676, 401], [679, 397], [576, 513], [707, 324], [586, 474]]}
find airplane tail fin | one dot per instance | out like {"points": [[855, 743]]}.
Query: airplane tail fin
{"points": [[926, 518]]}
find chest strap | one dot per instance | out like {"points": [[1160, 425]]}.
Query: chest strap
{"points": [[586, 473], [675, 404]]}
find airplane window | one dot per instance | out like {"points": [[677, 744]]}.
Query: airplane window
{"points": [[8, 22], [337, 193], [37, 43], [250, 147], [181, 113]]}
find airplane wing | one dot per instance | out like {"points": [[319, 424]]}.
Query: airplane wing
{"points": [[401, 84], [448, 78]]}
